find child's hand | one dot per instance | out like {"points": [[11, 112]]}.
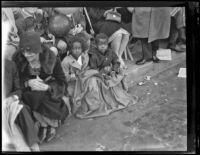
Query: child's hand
{"points": [[40, 86], [106, 77], [72, 77], [113, 74]]}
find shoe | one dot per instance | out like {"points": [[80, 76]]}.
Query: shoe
{"points": [[155, 59], [141, 62], [149, 59], [35, 148], [42, 134], [51, 133], [180, 47]]}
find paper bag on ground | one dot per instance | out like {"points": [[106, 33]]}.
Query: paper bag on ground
{"points": [[182, 72], [164, 54]]}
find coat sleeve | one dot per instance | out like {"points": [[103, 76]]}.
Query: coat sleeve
{"points": [[57, 86], [115, 62], [21, 63], [93, 62], [16, 83], [85, 61], [66, 69]]}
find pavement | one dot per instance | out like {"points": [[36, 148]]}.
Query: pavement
{"points": [[158, 122], [138, 72]]}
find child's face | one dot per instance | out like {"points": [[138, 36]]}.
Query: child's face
{"points": [[102, 45], [88, 43], [76, 49]]}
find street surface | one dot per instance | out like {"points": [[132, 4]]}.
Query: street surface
{"points": [[158, 122]]}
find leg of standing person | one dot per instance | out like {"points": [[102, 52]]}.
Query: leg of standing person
{"points": [[115, 44], [155, 46], [178, 26], [146, 52], [173, 34], [123, 44]]}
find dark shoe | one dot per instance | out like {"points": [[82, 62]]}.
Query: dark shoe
{"points": [[155, 59], [149, 59], [141, 62], [51, 133], [180, 47], [42, 134]]}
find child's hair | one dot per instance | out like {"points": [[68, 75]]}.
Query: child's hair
{"points": [[86, 37], [74, 39], [100, 36], [29, 23]]}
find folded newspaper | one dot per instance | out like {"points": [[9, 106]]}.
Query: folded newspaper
{"points": [[164, 54], [182, 73]]}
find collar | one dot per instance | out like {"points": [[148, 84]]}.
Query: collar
{"points": [[102, 54], [73, 62]]}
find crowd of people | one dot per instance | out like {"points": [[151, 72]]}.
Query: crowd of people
{"points": [[60, 62]]}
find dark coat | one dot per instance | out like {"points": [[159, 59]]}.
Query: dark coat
{"points": [[48, 103], [24, 118], [99, 61], [11, 79], [101, 25]]}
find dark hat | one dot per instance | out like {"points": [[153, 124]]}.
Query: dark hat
{"points": [[30, 41]]}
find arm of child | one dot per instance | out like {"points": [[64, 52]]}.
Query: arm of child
{"points": [[93, 62], [115, 63], [67, 70]]}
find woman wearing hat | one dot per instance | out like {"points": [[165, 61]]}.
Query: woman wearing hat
{"points": [[43, 83], [17, 119]]}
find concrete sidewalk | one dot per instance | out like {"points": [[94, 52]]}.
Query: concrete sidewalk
{"points": [[137, 72]]}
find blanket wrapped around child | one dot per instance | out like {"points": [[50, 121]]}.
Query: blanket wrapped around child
{"points": [[96, 95]]}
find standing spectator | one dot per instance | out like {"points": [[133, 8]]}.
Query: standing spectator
{"points": [[177, 38], [150, 25]]}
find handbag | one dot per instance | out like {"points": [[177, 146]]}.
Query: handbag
{"points": [[113, 16]]}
